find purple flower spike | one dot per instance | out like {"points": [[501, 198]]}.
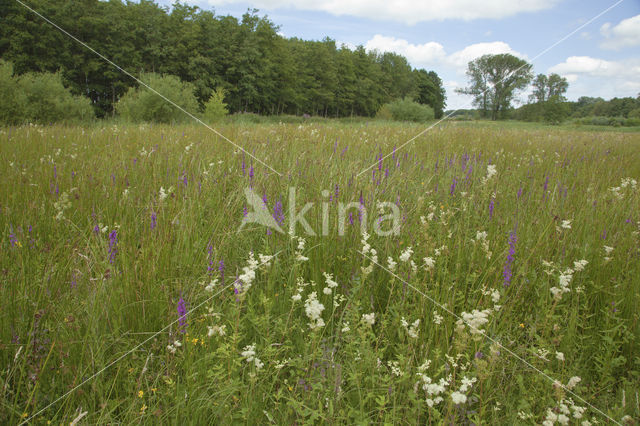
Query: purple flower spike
{"points": [[510, 258], [182, 315], [113, 245]]}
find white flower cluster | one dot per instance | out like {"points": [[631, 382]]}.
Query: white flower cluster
{"points": [[300, 249], [481, 238], [313, 308], [164, 194], [301, 285], [173, 347], [474, 320], [437, 319], [429, 263], [245, 280], [219, 330], [433, 389], [395, 368], [249, 354], [62, 204], [331, 284], [406, 255], [371, 252], [624, 183], [391, 264], [459, 396], [369, 319], [212, 285], [491, 172], [607, 252], [565, 277], [412, 330]]}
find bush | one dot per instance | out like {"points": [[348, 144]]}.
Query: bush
{"points": [[39, 98], [215, 108], [48, 101], [140, 104], [12, 100], [406, 110]]}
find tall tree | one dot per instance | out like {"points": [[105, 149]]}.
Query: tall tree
{"points": [[494, 81], [544, 88], [430, 91]]}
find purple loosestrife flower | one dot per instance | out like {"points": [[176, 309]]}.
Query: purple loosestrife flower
{"points": [[113, 245], [278, 213], [210, 257], [453, 187], [153, 220], [221, 270], [12, 239], [182, 315], [491, 206], [506, 273]]}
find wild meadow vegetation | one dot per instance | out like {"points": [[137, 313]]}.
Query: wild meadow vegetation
{"points": [[508, 296]]}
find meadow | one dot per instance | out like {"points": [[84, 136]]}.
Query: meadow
{"points": [[509, 295]]}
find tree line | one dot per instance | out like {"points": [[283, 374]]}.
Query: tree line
{"points": [[495, 80], [247, 59]]}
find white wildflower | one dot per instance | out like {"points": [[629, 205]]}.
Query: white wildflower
{"points": [[219, 330], [369, 319], [559, 356], [313, 308], [579, 265], [331, 284], [458, 398], [573, 381], [404, 257], [391, 264], [429, 263], [249, 354], [412, 330]]}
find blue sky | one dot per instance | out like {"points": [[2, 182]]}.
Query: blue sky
{"points": [[601, 59]]}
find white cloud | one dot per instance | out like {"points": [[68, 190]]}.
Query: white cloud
{"points": [[433, 54], [461, 58], [625, 34], [587, 65], [598, 77], [407, 11], [427, 54]]}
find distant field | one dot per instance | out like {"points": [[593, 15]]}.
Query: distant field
{"points": [[128, 292]]}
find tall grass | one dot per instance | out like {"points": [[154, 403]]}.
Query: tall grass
{"points": [[75, 295]]}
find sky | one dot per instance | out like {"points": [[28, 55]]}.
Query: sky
{"points": [[595, 44]]}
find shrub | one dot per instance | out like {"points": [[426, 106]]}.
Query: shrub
{"points": [[215, 108], [48, 101], [13, 100], [39, 98], [406, 110], [140, 104]]}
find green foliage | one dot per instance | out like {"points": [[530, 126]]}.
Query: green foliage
{"points": [[494, 81], [215, 108], [430, 91], [102, 329], [142, 105], [405, 110], [39, 98], [12, 99], [553, 111], [261, 71]]}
